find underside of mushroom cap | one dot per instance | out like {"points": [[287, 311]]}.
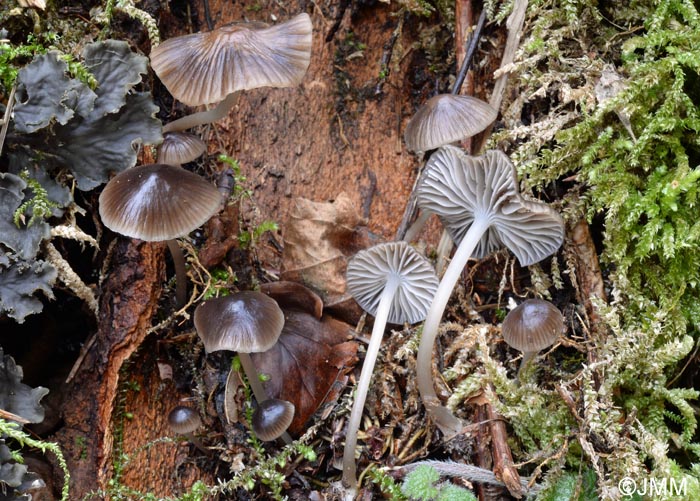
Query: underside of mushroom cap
{"points": [[533, 326], [157, 202], [369, 271], [460, 188], [246, 322], [447, 118], [204, 68], [179, 148]]}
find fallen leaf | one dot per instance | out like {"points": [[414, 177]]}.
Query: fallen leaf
{"points": [[310, 356], [319, 237]]}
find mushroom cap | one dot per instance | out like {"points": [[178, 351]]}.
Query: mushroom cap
{"points": [[179, 148], [533, 326], [204, 68], [157, 202], [184, 420], [246, 322], [447, 118], [460, 188], [271, 418], [369, 271]]}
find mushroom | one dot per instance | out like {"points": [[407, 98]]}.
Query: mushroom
{"points": [[478, 201], [245, 322], [159, 202], [179, 148], [185, 421], [271, 418], [447, 118], [394, 283], [531, 327], [205, 68]]}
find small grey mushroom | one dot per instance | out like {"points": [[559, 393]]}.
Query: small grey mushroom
{"points": [[211, 67], [245, 322], [478, 201], [185, 421], [447, 118], [159, 202], [271, 418], [179, 148], [393, 282], [532, 326]]}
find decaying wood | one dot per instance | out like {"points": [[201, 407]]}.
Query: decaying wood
{"points": [[588, 274], [128, 301]]}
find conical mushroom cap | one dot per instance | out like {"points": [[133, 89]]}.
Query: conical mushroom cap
{"points": [[272, 418], [533, 326], [447, 118], [369, 271], [184, 420], [460, 188], [157, 202], [204, 68], [246, 321], [179, 148]]}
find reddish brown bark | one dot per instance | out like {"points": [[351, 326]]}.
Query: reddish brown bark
{"points": [[128, 302]]}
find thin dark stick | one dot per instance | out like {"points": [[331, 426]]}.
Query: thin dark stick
{"points": [[207, 16], [473, 42]]}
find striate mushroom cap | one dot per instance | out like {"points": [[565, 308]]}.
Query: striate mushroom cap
{"points": [[461, 189], [369, 271], [184, 420], [179, 148], [533, 326], [271, 418], [157, 202], [246, 322], [447, 118], [204, 68]]}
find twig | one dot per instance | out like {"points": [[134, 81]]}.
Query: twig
{"points": [[6, 117]]}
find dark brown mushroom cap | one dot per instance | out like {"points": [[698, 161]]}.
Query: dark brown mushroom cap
{"points": [[179, 148], [204, 68], [447, 118], [157, 202], [460, 188], [246, 322], [184, 420], [533, 326], [369, 271], [272, 418]]}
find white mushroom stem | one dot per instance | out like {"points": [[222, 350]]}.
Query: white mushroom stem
{"points": [[449, 424], [203, 117], [258, 391], [380, 320], [180, 272]]}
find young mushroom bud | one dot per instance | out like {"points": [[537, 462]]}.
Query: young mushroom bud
{"points": [[185, 421], [271, 418], [394, 283], [531, 327]]}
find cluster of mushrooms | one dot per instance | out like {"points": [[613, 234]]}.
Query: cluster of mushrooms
{"points": [[476, 198], [163, 201]]}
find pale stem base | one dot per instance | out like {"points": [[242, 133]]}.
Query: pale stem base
{"points": [[449, 424], [349, 465]]}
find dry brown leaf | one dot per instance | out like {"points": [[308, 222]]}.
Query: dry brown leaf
{"points": [[319, 237], [310, 356]]}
